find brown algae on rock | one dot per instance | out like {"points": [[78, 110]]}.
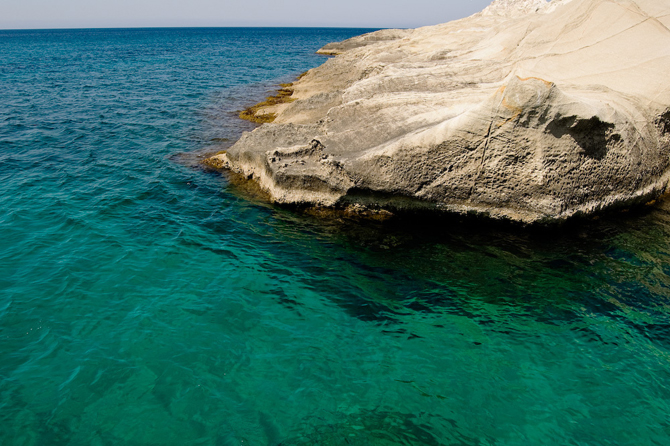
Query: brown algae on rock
{"points": [[260, 114]]}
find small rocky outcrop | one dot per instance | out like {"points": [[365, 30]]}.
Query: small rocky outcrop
{"points": [[529, 111]]}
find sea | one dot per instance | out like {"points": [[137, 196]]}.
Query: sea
{"points": [[147, 300]]}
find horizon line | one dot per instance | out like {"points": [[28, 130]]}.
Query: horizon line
{"points": [[200, 27]]}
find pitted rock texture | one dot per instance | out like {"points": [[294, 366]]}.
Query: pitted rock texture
{"points": [[528, 111]]}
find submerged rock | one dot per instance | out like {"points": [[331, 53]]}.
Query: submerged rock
{"points": [[527, 111]]}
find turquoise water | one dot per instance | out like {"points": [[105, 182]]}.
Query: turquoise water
{"points": [[145, 301]]}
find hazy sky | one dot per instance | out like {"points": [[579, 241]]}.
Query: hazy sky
{"points": [[21, 14]]}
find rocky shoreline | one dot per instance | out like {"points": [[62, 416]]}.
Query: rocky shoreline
{"points": [[528, 111]]}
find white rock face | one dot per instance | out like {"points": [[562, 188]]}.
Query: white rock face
{"points": [[514, 7], [528, 111]]}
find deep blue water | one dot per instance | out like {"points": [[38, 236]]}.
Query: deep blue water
{"points": [[146, 301]]}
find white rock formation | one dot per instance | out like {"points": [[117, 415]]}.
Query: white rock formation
{"points": [[528, 111]]}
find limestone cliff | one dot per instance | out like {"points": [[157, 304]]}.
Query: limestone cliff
{"points": [[528, 111]]}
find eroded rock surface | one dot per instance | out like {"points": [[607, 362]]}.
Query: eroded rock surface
{"points": [[528, 111]]}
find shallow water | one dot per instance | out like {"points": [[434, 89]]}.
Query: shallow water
{"points": [[144, 301]]}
